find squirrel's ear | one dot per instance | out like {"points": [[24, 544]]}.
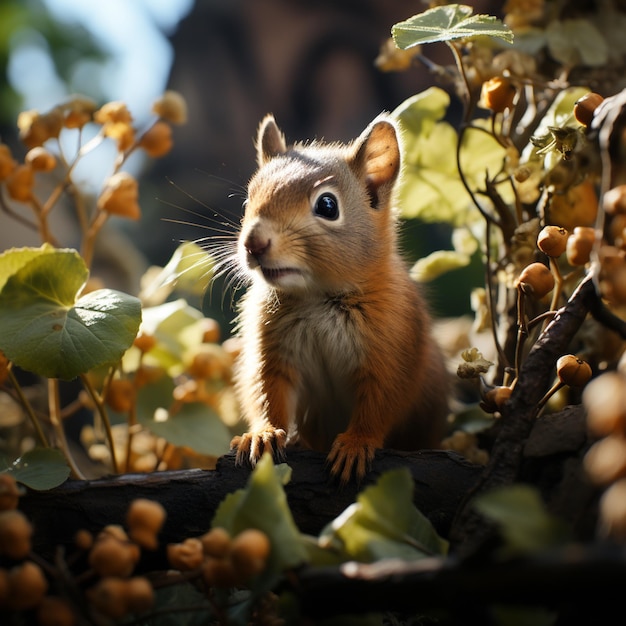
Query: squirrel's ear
{"points": [[270, 140], [376, 156]]}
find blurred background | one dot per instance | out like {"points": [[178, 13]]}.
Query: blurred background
{"points": [[310, 63]]}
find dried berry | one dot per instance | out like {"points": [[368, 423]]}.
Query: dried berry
{"points": [[78, 111], [20, 183], [120, 196], [15, 534], [111, 556], [9, 492], [144, 342], [216, 542], [535, 280], [157, 140], [139, 595], [605, 461], [109, 596], [122, 133], [585, 107], [145, 519], [27, 586], [41, 160], [573, 371], [552, 240], [7, 163], [249, 552], [497, 94], [580, 244], [614, 200], [171, 107], [113, 113], [187, 555], [496, 397], [83, 540], [120, 395], [604, 399]]}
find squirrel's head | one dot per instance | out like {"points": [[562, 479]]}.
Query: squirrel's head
{"points": [[318, 216]]}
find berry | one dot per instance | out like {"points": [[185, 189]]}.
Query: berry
{"points": [[40, 159], [585, 107], [573, 371], [497, 94], [249, 552], [552, 240], [120, 196], [15, 534], [171, 107], [145, 519], [54, 611], [113, 556], [579, 245], [187, 555], [157, 140], [604, 399], [216, 542], [9, 493], [27, 586], [535, 280]]}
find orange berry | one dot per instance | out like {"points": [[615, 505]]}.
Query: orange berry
{"points": [[210, 330], [585, 107], [535, 280], [249, 552], [145, 519], [40, 159], [111, 557], [9, 492], [20, 183], [144, 342], [187, 555], [7, 163], [15, 534], [216, 542], [612, 510], [157, 140], [497, 94], [120, 395], [614, 200], [579, 245], [171, 107], [139, 595], [113, 112], [605, 461], [219, 573], [83, 540], [79, 111], [573, 371], [552, 240], [120, 196], [497, 396], [122, 132], [54, 611], [109, 596], [27, 586], [604, 399]]}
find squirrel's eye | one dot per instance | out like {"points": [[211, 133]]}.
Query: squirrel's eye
{"points": [[326, 206]]}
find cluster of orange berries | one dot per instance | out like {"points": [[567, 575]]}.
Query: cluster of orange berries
{"points": [[120, 192], [605, 402], [113, 554]]}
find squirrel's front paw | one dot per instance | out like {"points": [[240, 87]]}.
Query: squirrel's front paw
{"points": [[250, 446], [350, 456]]}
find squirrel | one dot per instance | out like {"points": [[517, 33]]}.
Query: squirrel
{"points": [[337, 350]]}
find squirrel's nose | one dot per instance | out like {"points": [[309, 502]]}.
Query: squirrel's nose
{"points": [[256, 245]]}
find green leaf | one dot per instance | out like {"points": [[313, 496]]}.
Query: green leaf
{"points": [[40, 469], [45, 330], [384, 523], [577, 42], [168, 323], [263, 505], [448, 23], [524, 523], [14, 259], [194, 424], [437, 263]]}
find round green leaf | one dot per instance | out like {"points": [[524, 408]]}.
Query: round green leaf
{"points": [[40, 469], [45, 330], [194, 425]]}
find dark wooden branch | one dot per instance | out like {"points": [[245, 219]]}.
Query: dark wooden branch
{"points": [[192, 497], [519, 413], [571, 580]]}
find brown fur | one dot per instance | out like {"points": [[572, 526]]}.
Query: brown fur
{"points": [[337, 351]]}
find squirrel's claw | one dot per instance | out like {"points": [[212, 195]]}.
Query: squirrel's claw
{"points": [[251, 446], [350, 457]]}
